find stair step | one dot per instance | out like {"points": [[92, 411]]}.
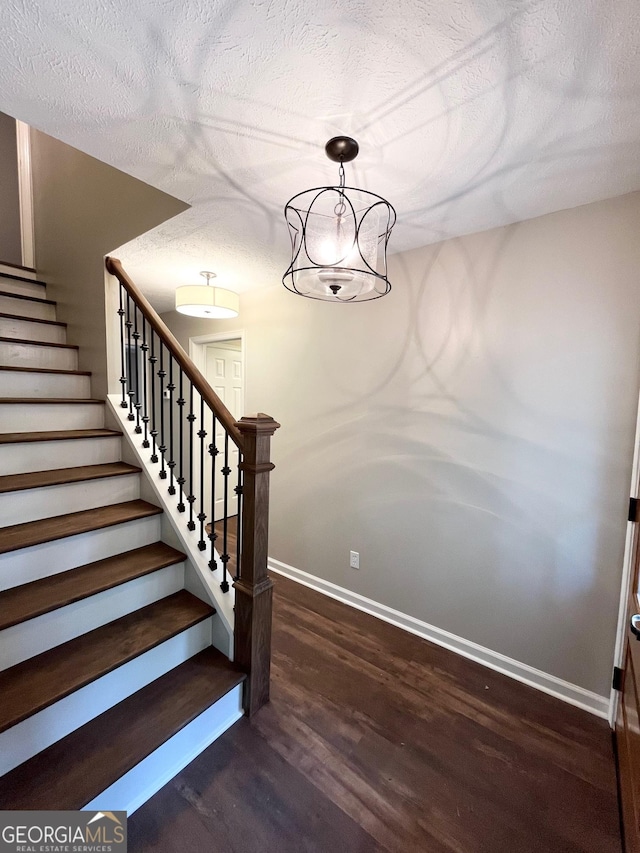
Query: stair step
{"points": [[27, 306], [32, 328], [37, 343], [23, 452], [18, 269], [57, 435], [23, 353], [50, 401], [10, 283], [41, 494], [73, 771], [17, 276], [33, 599], [38, 682], [40, 479], [64, 372], [59, 413], [38, 382], [30, 533]]}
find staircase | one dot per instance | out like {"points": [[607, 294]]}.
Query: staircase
{"points": [[109, 683]]}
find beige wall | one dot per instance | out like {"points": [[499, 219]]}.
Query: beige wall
{"points": [[470, 435], [85, 209], [10, 242]]}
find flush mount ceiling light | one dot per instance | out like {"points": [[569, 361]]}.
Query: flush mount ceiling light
{"points": [[339, 237], [204, 300]]}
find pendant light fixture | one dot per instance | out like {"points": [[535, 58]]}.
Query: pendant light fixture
{"points": [[339, 237], [204, 300]]}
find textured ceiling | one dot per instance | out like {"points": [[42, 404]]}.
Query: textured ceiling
{"points": [[469, 113]]}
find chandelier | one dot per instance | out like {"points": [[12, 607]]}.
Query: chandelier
{"points": [[339, 237]]}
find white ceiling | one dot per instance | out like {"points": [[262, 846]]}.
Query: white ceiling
{"points": [[469, 113]]}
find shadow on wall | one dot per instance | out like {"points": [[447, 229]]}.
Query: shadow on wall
{"points": [[471, 436]]}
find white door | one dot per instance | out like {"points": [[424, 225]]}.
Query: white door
{"points": [[223, 371]]}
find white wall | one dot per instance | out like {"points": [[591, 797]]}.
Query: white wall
{"points": [[470, 434], [83, 210]]}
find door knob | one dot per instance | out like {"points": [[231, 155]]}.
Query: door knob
{"points": [[635, 626]]}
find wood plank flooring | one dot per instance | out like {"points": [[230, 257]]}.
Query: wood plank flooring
{"points": [[376, 740]]}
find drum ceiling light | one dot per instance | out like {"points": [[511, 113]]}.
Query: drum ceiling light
{"points": [[339, 237], [204, 300]]}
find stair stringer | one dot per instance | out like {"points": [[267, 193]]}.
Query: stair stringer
{"points": [[199, 580]]}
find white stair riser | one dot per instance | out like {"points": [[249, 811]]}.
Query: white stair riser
{"points": [[27, 308], [26, 288], [14, 383], [17, 271], [35, 636], [29, 330], [27, 355], [32, 504], [25, 457], [41, 561], [146, 778], [36, 733], [26, 417]]}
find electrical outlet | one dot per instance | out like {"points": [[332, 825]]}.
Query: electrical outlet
{"points": [[354, 559]]}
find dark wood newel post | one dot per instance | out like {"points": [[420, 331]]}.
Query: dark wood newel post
{"points": [[254, 590]]}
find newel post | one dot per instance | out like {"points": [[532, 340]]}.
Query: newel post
{"points": [[254, 590]]}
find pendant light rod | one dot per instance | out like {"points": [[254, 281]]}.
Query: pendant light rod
{"points": [[208, 275]]}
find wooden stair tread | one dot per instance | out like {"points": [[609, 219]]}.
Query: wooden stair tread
{"points": [[42, 596], [34, 684], [30, 298], [73, 771], [17, 266], [59, 476], [32, 343], [30, 533], [31, 319], [50, 400], [57, 435], [44, 369], [20, 277]]}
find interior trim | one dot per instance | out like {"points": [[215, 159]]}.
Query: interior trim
{"points": [[25, 189], [571, 693]]}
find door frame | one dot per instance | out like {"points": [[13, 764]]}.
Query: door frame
{"points": [[197, 354], [627, 567], [25, 192]]}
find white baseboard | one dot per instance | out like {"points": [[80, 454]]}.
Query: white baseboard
{"points": [[571, 693]]}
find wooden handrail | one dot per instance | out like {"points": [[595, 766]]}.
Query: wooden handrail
{"points": [[169, 340]]}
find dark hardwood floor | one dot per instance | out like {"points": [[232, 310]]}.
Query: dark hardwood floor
{"points": [[375, 740]]}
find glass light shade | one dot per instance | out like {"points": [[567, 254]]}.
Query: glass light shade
{"points": [[213, 303], [339, 238]]}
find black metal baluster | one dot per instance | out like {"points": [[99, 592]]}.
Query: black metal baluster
{"points": [[171, 464], [213, 450], [154, 432], [129, 324], [123, 368], [238, 491], [180, 479], [136, 337], [191, 525], [224, 559], [162, 447], [145, 407], [202, 516]]}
